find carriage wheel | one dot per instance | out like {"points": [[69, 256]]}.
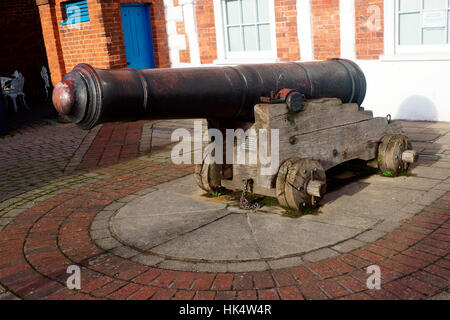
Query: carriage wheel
{"points": [[300, 183], [208, 176], [395, 154]]}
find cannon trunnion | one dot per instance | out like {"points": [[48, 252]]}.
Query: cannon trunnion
{"points": [[316, 107]]}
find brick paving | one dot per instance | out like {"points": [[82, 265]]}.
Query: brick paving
{"points": [[35, 156], [41, 157], [41, 237], [115, 142]]}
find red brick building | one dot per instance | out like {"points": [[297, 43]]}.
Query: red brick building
{"points": [[403, 46]]}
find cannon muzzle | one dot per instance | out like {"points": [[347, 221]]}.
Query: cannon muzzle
{"points": [[88, 96]]}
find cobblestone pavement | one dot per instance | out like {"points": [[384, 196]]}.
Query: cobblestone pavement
{"points": [[44, 233]]}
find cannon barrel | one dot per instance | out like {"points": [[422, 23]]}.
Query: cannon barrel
{"points": [[88, 96]]}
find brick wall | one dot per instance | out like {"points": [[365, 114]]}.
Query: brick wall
{"points": [[325, 28], [286, 30], [369, 24], [204, 10], [22, 44], [100, 40], [159, 33]]}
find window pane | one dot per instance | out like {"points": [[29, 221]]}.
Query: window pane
{"points": [[234, 38], [409, 5], [248, 11], [250, 38], [409, 25], [434, 4], [233, 12], [263, 10], [264, 37], [434, 36]]}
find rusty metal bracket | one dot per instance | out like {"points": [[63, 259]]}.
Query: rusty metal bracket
{"points": [[291, 97]]}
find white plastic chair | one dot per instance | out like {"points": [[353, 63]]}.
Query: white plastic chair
{"points": [[45, 77], [16, 89]]}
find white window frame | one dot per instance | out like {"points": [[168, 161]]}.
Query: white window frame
{"points": [[393, 51], [226, 57]]}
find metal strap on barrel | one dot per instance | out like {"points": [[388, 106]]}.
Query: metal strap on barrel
{"points": [[145, 91], [311, 85], [351, 77]]}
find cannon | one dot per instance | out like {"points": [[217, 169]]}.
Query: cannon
{"points": [[315, 106]]}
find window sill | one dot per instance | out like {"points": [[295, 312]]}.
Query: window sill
{"points": [[416, 57], [244, 61]]}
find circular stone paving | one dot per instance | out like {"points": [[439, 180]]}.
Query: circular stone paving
{"points": [[174, 227]]}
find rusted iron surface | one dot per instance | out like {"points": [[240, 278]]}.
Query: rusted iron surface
{"points": [[291, 97], [89, 96], [64, 97]]}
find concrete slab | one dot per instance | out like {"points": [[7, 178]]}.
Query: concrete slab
{"points": [[278, 236], [147, 259], [165, 202], [432, 173], [150, 231], [210, 267], [371, 208], [248, 266], [320, 254], [405, 182], [348, 245], [286, 262], [229, 238], [186, 186], [124, 251], [370, 236], [342, 218], [177, 265]]}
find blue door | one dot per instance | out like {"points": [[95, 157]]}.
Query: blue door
{"points": [[138, 36]]}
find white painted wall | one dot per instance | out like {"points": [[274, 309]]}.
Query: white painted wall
{"points": [[176, 42], [304, 30], [410, 90], [347, 28], [184, 12], [190, 26]]}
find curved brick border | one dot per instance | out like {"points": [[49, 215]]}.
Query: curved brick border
{"points": [[37, 247]]}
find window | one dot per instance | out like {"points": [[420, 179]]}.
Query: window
{"points": [[246, 30], [423, 22], [247, 25], [75, 12]]}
